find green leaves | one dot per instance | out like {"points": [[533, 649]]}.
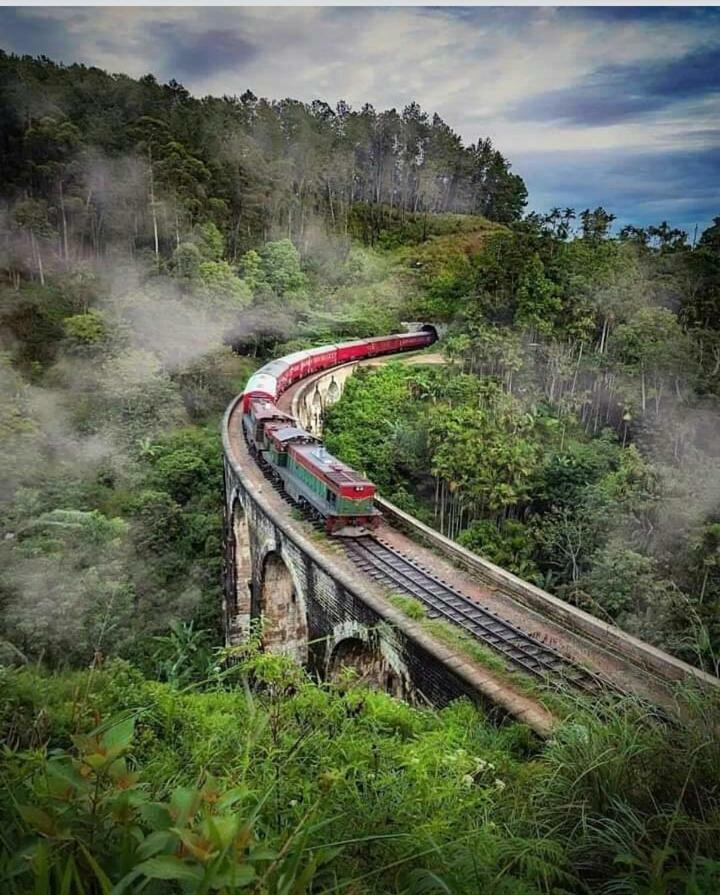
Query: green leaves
{"points": [[170, 867], [95, 825]]}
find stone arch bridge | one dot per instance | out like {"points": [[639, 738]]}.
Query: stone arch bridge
{"points": [[318, 608]]}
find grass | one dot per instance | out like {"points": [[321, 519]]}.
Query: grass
{"points": [[451, 636], [412, 608], [397, 799]]}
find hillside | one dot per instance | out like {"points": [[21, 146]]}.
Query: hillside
{"points": [[155, 249]]}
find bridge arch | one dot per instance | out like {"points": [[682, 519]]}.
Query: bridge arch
{"points": [[281, 609], [333, 391], [318, 406], [365, 657], [239, 570]]}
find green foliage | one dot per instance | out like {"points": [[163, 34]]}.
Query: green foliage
{"points": [[77, 580], [115, 780], [281, 266], [412, 608], [577, 413], [622, 580], [187, 258], [367, 426], [391, 227], [91, 823], [507, 545], [210, 241], [208, 384], [67, 591], [184, 655], [651, 338], [485, 453], [219, 285], [136, 398], [245, 165], [258, 761], [538, 300], [185, 464], [86, 330], [251, 267]]}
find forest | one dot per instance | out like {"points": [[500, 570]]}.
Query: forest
{"points": [[155, 248], [573, 438]]}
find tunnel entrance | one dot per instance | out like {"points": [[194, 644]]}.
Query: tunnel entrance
{"points": [[368, 663], [281, 610], [429, 328]]}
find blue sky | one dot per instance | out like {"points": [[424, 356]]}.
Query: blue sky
{"points": [[614, 106]]}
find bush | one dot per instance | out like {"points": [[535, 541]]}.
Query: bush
{"points": [[508, 544], [394, 798], [86, 330]]}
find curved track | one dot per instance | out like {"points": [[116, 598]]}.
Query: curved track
{"points": [[562, 644]]}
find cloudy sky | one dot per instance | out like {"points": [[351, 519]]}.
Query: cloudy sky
{"points": [[612, 106]]}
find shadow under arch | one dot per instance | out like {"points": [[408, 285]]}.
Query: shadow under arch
{"points": [[333, 391], [368, 663], [281, 610]]}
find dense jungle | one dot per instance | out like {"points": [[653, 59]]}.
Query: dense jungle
{"points": [[156, 248]]}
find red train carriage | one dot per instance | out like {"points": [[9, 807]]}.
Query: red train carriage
{"points": [[274, 378], [309, 474]]}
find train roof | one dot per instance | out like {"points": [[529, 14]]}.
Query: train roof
{"points": [[261, 381], [321, 349], [296, 356], [334, 470], [284, 434], [275, 367], [262, 409]]}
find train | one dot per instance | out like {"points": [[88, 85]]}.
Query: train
{"points": [[330, 490]]}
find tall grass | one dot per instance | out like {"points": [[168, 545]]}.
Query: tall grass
{"points": [[261, 781]]}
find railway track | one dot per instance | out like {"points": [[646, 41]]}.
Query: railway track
{"points": [[520, 650]]}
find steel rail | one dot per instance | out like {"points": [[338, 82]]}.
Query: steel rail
{"points": [[386, 565]]}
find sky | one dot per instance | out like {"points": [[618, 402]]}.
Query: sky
{"points": [[618, 106]]}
